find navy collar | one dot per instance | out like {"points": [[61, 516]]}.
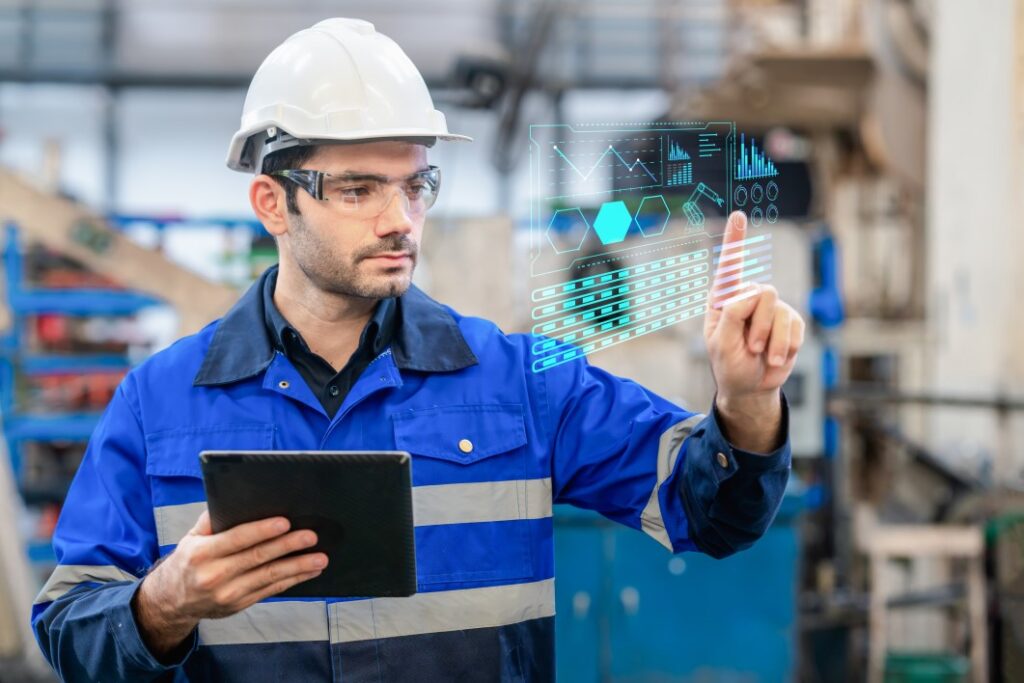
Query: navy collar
{"points": [[427, 339], [375, 337]]}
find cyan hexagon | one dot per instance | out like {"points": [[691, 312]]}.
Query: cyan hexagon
{"points": [[582, 233], [612, 222], [655, 229]]}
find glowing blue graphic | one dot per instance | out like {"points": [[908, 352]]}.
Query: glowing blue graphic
{"points": [[756, 266], [591, 313], [707, 145], [613, 258], [680, 175], [661, 215], [612, 222], [677, 153], [740, 196], [597, 164], [753, 163], [756, 193], [560, 214], [692, 210]]}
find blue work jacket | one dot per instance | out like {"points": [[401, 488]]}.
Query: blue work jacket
{"points": [[485, 562]]}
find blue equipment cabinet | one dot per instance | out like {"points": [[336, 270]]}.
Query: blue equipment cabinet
{"points": [[627, 610]]}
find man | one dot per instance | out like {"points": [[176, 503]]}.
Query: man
{"points": [[335, 349]]}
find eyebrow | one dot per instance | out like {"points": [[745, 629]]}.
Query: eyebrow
{"points": [[362, 175]]}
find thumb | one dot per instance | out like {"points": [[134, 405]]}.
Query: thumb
{"points": [[202, 526]]}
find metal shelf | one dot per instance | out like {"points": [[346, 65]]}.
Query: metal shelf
{"points": [[79, 302], [54, 363], [40, 551], [22, 427], [61, 427]]}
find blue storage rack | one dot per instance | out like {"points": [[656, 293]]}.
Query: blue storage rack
{"points": [[23, 301]]}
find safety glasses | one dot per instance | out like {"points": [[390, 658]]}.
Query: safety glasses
{"points": [[366, 195]]}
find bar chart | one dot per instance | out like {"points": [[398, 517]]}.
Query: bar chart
{"points": [[753, 163], [679, 174]]}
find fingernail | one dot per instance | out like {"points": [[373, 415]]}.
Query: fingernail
{"points": [[320, 562], [777, 360], [758, 346], [281, 525]]}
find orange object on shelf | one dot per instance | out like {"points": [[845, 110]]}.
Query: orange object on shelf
{"points": [[48, 521]]}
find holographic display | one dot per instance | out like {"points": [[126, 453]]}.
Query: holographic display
{"points": [[626, 224]]}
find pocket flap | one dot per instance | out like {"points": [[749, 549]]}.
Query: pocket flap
{"points": [[463, 434], [175, 452]]}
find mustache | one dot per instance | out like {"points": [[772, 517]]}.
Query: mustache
{"points": [[390, 244]]}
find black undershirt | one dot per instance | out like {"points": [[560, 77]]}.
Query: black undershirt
{"points": [[329, 386]]}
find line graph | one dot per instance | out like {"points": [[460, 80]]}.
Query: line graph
{"points": [[598, 287], [597, 164]]}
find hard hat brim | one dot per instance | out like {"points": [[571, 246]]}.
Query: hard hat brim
{"points": [[238, 160]]}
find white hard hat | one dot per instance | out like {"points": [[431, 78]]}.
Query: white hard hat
{"points": [[338, 80]]}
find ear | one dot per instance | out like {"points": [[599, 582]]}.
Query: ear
{"points": [[269, 203]]}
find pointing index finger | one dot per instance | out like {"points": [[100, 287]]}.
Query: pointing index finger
{"points": [[728, 282]]}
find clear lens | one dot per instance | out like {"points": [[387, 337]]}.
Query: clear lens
{"points": [[368, 197]]}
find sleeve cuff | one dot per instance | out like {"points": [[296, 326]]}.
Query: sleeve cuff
{"points": [[126, 633], [730, 459]]}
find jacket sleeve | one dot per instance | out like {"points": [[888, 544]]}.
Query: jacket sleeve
{"points": [[105, 542], [638, 459]]}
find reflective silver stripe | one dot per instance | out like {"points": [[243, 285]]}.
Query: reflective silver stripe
{"points": [[343, 622], [67, 576], [441, 611], [671, 442], [174, 521], [268, 622], [489, 501]]}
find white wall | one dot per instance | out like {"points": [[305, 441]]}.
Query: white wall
{"points": [[975, 236], [72, 115]]}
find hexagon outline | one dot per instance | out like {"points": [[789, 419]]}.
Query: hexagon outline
{"points": [[583, 235], [621, 220], [664, 223]]}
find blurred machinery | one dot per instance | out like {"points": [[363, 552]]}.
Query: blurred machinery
{"points": [[863, 107], [865, 95]]}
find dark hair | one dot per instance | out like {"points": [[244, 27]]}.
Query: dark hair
{"points": [[293, 157]]}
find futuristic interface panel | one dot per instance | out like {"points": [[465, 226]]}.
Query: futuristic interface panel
{"points": [[626, 223]]}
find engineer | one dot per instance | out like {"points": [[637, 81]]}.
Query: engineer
{"points": [[335, 349]]}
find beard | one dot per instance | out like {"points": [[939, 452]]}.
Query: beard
{"points": [[341, 274]]}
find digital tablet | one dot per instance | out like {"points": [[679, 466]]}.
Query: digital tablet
{"points": [[359, 503]]}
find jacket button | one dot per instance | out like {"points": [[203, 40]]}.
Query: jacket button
{"points": [[466, 446], [722, 460]]}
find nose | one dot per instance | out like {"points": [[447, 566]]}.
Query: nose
{"points": [[395, 218]]}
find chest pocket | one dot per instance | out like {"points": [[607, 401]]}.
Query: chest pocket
{"points": [[471, 496], [172, 465]]}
